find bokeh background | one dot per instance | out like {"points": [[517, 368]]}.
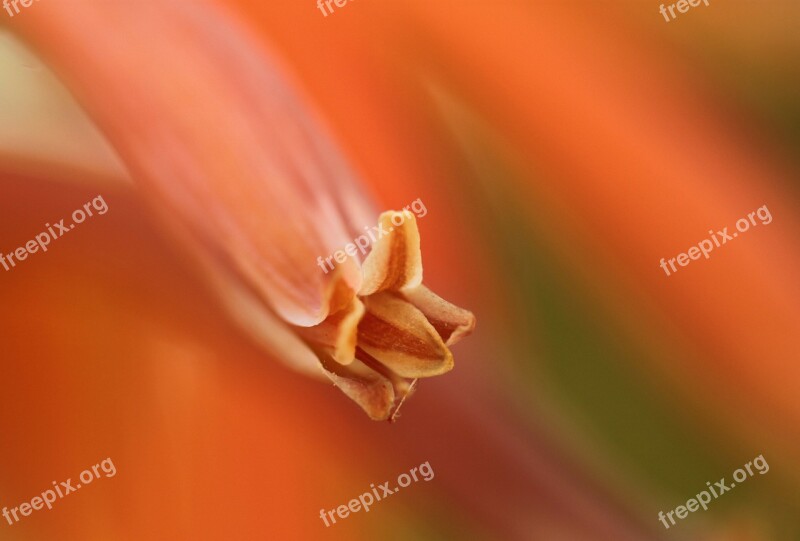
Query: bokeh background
{"points": [[562, 148]]}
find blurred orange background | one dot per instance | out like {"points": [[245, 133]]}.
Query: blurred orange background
{"points": [[562, 149]]}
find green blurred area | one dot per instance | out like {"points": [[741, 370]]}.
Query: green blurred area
{"points": [[586, 366]]}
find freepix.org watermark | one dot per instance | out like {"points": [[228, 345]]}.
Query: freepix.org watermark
{"points": [[327, 4], [53, 232], [703, 498], [59, 490], [380, 492], [704, 247], [7, 5], [682, 5], [362, 242]]}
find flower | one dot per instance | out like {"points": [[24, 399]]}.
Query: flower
{"points": [[231, 157], [393, 331]]}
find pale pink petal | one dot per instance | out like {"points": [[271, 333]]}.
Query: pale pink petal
{"points": [[210, 126]]}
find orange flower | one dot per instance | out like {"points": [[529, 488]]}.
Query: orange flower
{"points": [[393, 331], [234, 161]]}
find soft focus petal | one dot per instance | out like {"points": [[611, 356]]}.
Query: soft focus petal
{"points": [[265, 189]]}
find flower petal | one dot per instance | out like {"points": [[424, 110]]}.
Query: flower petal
{"points": [[216, 135], [366, 387], [451, 322], [398, 335], [337, 335], [248, 310], [395, 261]]}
